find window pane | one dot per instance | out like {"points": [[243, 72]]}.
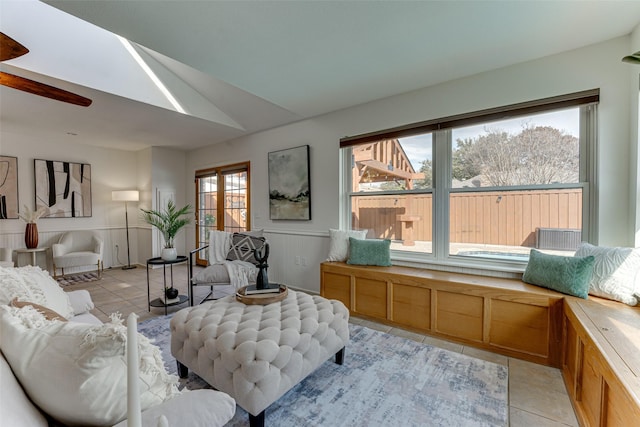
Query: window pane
{"points": [[235, 208], [539, 149], [403, 218], [392, 164], [536, 149], [207, 196]]}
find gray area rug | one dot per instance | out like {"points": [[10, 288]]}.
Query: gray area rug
{"points": [[385, 381]]}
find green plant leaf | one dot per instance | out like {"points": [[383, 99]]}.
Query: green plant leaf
{"points": [[168, 221]]}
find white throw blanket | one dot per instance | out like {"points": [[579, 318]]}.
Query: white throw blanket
{"points": [[219, 245], [240, 272]]}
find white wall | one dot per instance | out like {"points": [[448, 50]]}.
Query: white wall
{"points": [[159, 169], [597, 66], [110, 170], [634, 155]]}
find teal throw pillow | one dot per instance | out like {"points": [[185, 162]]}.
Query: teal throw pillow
{"points": [[569, 275], [369, 252]]}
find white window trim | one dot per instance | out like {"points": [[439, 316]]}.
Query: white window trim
{"points": [[442, 154]]}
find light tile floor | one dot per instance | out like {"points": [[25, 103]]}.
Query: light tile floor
{"points": [[537, 394]]}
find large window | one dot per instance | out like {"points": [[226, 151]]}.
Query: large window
{"points": [[222, 200], [478, 187]]}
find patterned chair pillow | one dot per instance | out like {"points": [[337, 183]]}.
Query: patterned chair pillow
{"points": [[242, 246]]}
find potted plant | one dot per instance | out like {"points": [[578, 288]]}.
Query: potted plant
{"points": [[168, 222]]}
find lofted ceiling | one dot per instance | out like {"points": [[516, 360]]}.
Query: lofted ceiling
{"points": [[243, 66]]}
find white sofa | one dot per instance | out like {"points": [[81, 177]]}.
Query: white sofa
{"points": [[191, 408]]}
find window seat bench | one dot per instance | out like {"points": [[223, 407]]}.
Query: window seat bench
{"points": [[506, 316], [601, 361], [595, 342]]}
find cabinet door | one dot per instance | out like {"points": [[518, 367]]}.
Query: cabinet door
{"points": [[522, 327], [591, 386], [571, 356], [620, 409], [371, 297], [337, 286], [459, 315], [412, 306]]}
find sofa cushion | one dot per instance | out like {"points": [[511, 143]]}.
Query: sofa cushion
{"points": [[216, 273], [569, 275], [615, 272], [77, 373], [34, 285], [15, 407], [339, 243]]}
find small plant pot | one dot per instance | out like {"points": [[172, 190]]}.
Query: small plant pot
{"points": [[169, 254], [171, 293]]}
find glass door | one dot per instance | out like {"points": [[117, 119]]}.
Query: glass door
{"points": [[222, 200]]}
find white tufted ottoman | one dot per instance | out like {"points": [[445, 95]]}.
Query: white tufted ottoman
{"points": [[256, 353]]}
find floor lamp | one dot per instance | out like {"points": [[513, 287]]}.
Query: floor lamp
{"points": [[126, 196]]}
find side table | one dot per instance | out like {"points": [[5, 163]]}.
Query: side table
{"points": [[162, 302], [34, 255]]}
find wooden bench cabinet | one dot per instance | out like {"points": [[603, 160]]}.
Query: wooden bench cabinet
{"points": [[601, 361], [500, 315]]}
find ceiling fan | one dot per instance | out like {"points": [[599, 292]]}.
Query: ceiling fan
{"points": [[10, 49]]}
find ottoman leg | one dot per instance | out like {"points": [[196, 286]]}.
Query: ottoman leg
{"points": [[256, 420], [183, 371], [340, 356]]}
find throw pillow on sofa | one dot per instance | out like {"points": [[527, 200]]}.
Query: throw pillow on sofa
{"points": [[33, 284], [76, 372], [615, 272]]}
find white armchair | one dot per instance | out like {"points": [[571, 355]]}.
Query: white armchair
{"points": [[78, 248]]}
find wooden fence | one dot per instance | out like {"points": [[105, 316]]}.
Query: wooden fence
{"points": [[496, 218]]}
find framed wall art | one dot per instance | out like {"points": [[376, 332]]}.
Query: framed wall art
{"points": [[63, 188], [289, 184], [8, 187]]}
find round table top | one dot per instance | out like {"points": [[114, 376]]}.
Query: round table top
{"points": [[159, 261], [26, 250]]}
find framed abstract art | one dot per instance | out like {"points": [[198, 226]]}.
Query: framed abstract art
{"points": [[63, 188], [289, 184], [8, 187]]}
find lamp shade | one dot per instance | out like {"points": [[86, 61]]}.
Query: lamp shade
{"points": [[125, 196]]}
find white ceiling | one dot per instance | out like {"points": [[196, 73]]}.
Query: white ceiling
{"points": [[243, 66]]}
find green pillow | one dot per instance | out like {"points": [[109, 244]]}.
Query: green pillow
{"points": [[569, 275], [369, 252]]}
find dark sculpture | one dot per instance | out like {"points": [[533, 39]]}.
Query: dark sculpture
{"points": [[262, 281]]}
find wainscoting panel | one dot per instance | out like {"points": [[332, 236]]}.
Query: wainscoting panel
{"points": [[112, 236], [295, 258]]}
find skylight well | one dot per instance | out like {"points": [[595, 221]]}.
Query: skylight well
{"points": [[151, 75]]}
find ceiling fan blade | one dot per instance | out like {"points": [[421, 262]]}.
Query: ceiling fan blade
{"points": [[10, 49], [37, 88]]}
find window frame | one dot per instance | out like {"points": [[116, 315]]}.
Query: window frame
{"points": [[442, 152]]}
